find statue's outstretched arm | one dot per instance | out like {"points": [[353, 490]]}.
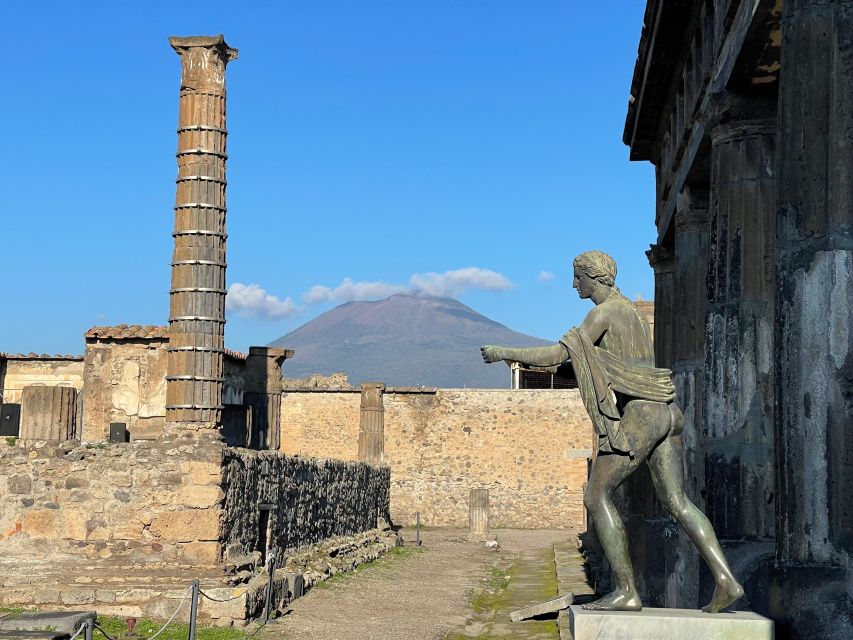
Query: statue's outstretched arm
{"points": [[550, 356]]}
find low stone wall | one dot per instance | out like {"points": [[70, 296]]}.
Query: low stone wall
{"points": [[151, 502], [530, 448], [127, 527], [312, 500]]}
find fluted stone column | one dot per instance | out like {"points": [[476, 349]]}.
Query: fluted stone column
{"points": [[371, 435], [738, 384], [692, 234], [812, 596], [197, 297]]}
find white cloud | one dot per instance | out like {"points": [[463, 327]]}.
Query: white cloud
{"points": [[253, 301], [457, 281], [348, 290], [545, 276]]}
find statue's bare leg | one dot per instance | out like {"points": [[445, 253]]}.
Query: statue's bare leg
{"points": [[608, 472], [666, 467]]}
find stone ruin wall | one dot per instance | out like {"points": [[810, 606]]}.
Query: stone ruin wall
{"points": [[125, 380], [90, 518], [315, 500], [530, 448]]}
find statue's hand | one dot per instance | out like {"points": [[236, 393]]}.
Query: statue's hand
{"points": [[491, 353]]}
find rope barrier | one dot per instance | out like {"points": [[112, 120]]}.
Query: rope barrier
{"points": [[162, 629], [239, 595], [79, 631], [169, 621]]}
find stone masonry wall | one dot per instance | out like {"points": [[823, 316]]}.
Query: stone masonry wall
{"points": [[156, 503], [313, 500], [528, 447], [125, 382]]}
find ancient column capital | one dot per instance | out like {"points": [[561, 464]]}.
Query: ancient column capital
{"points": [[203, 60], [661, 259], [691, 209], [732, 115]]}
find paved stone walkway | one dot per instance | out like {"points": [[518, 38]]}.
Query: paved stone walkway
{"points": [[449, 589]]}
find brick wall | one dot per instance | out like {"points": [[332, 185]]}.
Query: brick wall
{"points": [[528, 447]]}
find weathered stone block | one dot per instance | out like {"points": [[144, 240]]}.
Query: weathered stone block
{"points": [[40, 523], [202, 473], [77, 596], [187, 525], [199, 553], [19, 484], [200, 497]]}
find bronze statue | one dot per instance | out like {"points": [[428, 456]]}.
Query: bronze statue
{"points": [[632, 407]]}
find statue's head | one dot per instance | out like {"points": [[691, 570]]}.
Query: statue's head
{"points": [[593, 270]]}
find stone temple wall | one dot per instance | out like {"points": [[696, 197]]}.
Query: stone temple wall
{"points": [[530, 448], [313, 500]]}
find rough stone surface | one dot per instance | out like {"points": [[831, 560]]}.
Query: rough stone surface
{"points": [[440, 444], [61, 621], [314, 500], [48, 413]]}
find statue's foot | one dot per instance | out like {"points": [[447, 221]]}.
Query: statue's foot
{"points": [[727, 591], [618, 600]]}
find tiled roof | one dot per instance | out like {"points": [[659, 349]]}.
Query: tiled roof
{"points": [[37, 356], [128, 332], [234, 354]]}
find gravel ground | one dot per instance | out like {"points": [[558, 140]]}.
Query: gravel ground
{"points": [[419, 594]]}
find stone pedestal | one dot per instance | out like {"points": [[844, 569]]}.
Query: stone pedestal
{"points": [[672, 624]]}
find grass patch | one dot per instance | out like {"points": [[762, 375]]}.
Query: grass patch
{"points": [[493, 594], [117, 628], [11, 440], [392, 555]]}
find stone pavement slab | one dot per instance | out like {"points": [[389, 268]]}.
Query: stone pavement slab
{"points": [[672, 624], [60, 621]]}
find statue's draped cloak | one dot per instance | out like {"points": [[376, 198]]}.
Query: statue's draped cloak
{"points": [[599, 373]]}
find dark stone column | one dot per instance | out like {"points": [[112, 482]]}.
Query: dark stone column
{"points": [[692, 239], [812, 596], [263, 394], [371, 436], [738, 384], [661, 259]]}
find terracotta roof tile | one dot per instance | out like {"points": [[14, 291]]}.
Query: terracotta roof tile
{"points": [[234, 354], [128, 332], [39, 356]]}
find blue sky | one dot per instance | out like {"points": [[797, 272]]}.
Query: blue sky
{"points": [[375, 141]]}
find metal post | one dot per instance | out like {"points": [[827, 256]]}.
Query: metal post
{"points": [[193, 609], [418, 528], [271, 569], [90, 626]]}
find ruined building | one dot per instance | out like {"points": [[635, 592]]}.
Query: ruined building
{"points": [[745, 108], [152, 460]]}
